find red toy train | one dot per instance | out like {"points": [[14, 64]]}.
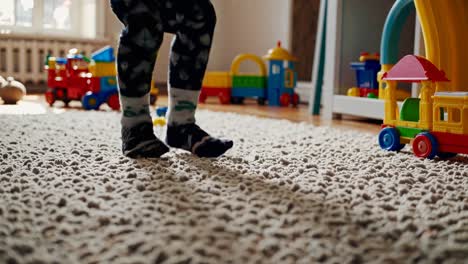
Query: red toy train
{"points": [[78, 78]]}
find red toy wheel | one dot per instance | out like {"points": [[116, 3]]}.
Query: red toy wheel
{"points": [[113, 102], [425, 146], [224, 98], [285, 99], [202, 97], [50, 97], [295, 99], [60, 94]]}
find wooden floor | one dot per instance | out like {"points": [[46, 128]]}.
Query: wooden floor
{"points": [[299, 114], [35, 104]]}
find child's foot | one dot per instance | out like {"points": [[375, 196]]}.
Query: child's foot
{"points": [[192, 138], [139, 141]]}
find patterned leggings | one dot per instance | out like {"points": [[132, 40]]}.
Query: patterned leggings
{"points": [[145, 21]]}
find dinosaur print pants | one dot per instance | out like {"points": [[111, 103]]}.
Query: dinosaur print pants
{"points": [[145, 22]]}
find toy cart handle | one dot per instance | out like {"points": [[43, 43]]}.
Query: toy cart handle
{"points": [[243, 57]]}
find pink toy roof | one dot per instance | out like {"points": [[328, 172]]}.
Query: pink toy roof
{"points": [[415, 69]]}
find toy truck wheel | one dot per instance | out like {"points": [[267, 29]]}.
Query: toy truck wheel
{"points": [[224, 98], [446, 155], [237, 100], [285, 99], [90, 101], [425, 145], [261, 101], [389, 139], [50, 97], [295, 99], [60, 94], [113, 102]]}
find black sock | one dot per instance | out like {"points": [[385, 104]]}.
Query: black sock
{"points": [[192, 138], [139, 141]]}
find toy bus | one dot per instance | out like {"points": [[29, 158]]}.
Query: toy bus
{"points": [[436, 124]]}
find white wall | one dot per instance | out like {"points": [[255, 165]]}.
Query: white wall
{"points": [[251, 26], [90, 25], [244, 26]]}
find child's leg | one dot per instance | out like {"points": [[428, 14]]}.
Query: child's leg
{"points": [[139, 44], [193, 22]]}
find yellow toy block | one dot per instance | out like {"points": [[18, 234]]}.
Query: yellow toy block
{"points": [[51, 63], [354, 92], [160, 121], [102, 69], [450, 112], [217, 80]]}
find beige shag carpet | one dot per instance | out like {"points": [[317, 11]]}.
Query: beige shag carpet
{"points": [[286, 193]]}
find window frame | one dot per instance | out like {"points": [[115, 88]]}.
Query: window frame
{"points": [[289, 78], [449, 113], [76, 20]]}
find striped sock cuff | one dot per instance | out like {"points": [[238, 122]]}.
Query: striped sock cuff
{"points": [[182, 106], [135, 110]]}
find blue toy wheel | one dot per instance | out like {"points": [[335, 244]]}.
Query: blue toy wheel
{"points": [[425, 145], [90, 101], [389, 139]]}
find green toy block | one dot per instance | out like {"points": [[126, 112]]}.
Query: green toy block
{"points": [[409, 132], [247, 81], [410, 110]]}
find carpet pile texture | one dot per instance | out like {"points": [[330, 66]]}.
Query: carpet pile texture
{"points": [[286, 193]]}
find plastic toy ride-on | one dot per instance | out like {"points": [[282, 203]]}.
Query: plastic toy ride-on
{"points": [[68, 78], [282, 77], [248, 85], [101, 90], [216, 84], [366, 76], [103, 87], [436, 124], [274, 84], [93, 82]]}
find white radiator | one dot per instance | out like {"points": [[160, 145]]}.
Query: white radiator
{"points": [[23, 56]]}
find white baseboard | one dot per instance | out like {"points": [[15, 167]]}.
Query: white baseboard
{"points": [[304, 89], [359, 106]]}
